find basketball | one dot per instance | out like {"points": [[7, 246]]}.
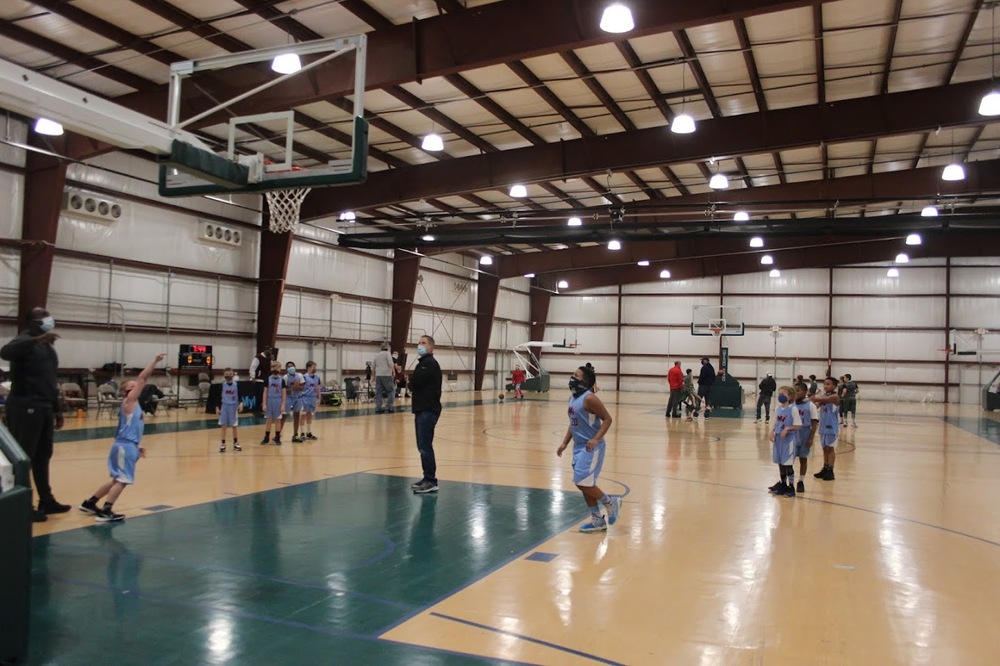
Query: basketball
{"points": [[501, 397]]}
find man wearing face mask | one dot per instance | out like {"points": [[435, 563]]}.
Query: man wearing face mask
{"points": [[34, 405], [425, 391]]}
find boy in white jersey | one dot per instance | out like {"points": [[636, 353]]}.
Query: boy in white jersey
{"points": [[589, 421], [829, 427], [125, 452], [310, 399], [809, 415]]}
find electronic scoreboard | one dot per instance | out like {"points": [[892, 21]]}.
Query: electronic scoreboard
{"points": [[195, 356]]}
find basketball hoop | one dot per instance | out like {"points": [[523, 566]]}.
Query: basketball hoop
{"points": [[716, 330], [283, 208]]}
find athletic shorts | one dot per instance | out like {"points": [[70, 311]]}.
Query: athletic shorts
{"points": [[802, 448], [121, 461], [293, 403], [828, 440], [273, 410], [850, 405], [587, 464], [783, 449], [309, 405], [227, 415]]}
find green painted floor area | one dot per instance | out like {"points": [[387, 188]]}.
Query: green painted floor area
{"points": [[311, 573], [987, 428]]}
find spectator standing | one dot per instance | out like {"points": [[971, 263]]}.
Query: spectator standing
{"points": [[675, 380], [765, 390], [705, 381], [385, 370]]}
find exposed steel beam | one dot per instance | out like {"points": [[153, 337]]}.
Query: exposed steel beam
{"points": [[850, 120], [834, 253]]}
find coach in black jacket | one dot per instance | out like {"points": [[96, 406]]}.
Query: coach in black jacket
{"points": [[34, 404], [705, 381], [425, 395]]}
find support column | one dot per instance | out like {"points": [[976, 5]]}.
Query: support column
{"points": [[44, 182], [618, 344], [538, 313], [275, 250], [947, 330], [488, 288], [405, 270]]}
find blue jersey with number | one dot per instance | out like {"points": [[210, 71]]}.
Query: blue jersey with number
{"points": [[583, 425], [130, 426], [275, 383], [829, 423], [312, 387]]}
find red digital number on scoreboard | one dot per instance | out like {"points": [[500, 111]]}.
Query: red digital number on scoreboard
{"points": [[199, 349]]}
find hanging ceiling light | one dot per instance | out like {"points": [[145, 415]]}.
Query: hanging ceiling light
{"points": [[767, 260], [775, 273], [718, 182], [953, 171], [756, 241], [614, 244], [563, 284], [683, 124], [347, 216], [529, 275], [902, 258], [574, 222], [617, 18], [644, 262], [665, 274], [929, 211], [518, 191], [914, 239], [486, 260], [427, 237], [741, 216], [892, 272], [48, 127], [286, 63], [432, 143]]}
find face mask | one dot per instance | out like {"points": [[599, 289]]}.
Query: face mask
{"points": [[578, 386], [291, 370], [229, 380], [276, 372], [47, 324], [782, 398], [421, 350]]}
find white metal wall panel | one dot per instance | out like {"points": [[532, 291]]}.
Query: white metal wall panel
{"points": [[16, 132], [992, 262], [874, 281], [12, 206], [581, 309], [513, 305], [643, 385], [709, 285], [975, 281], [804, 281], [973, 313], [10, 271], [783, 310], [446, 291], [889, 312], [648, 365], [654, 310], [596, 291], [453, 329], [792, 343], [347, 272], [454, 264], [896, 345]]}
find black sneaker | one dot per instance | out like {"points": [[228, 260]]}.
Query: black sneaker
{"points": [[800, 487], [426, 487], [311, 436], [820, 474], [266, 440], [776, 488], [277, 441], [52, 506], [108, 516], [88, 507], [296, 439], [38, 516], [788, 491], [828, 476], [416, 484], [237, 447]]}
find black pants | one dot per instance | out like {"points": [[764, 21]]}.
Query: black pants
{"points": [[425, 422], [674, 403], [32, 426], [764, 400]]}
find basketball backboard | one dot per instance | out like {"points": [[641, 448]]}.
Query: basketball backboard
{"points": [[717, 320], [191, 169]]}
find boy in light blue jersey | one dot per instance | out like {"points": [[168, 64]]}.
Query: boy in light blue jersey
{"points": [[829, 427], [589, 422], [809, 416], [229, 410], [783, 438], [295, 384], [125, 452], [274, 404], [310, 399]]}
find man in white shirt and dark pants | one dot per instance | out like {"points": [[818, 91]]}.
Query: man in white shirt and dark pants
{"points": [[385, 371]]}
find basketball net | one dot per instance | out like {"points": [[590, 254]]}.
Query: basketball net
{"points": [[283, 208], [716, 331]]}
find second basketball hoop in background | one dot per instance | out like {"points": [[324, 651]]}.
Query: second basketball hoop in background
{"points": [[283, 208]]}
